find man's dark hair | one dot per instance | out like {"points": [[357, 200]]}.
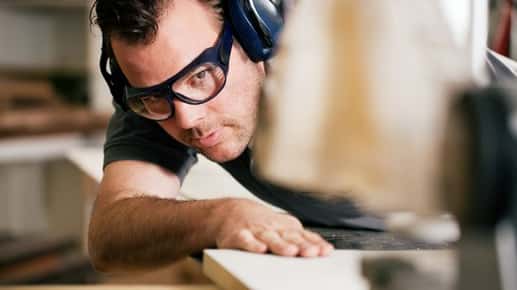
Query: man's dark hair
{"points": [[134, 21]]}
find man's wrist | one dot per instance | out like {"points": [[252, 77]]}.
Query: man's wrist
{"points": [[223, 212]]}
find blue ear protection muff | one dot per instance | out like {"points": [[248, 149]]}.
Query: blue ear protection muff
{"points": [[114, 78], [256, 25]]}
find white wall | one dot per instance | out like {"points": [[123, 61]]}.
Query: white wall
{"points": [[42, 39]]}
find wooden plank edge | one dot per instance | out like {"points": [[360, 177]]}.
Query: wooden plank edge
{"points": [[220, 275]]}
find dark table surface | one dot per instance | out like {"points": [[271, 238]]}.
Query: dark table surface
{"points": [[372, 240]]}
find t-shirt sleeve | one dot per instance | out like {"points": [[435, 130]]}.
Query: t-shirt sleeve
{"points": [[130, 137]]}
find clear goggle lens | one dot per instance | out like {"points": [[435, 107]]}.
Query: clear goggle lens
{"points": [[199, 85]]}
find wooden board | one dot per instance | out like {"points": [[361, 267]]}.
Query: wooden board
{"points": [[232, 269]]}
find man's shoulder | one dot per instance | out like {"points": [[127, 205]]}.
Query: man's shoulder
{"points": [[130, 137]]}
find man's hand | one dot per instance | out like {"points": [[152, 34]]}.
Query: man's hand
{"points": [[252, 227]]}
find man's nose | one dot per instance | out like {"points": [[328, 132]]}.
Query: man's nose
{"points": [[188, 116]]}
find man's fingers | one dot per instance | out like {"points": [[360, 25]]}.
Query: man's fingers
{"points": [[293, 236], [277, 244], [325, 247], [307, 248], [285, 243], [312, 236], [245, 240]]}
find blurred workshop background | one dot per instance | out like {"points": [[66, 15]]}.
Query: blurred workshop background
{"points": [[54, 109]]}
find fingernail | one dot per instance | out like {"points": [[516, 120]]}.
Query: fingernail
{"points": [[327, 249], [291, 250], [311, 251], [261, 248]]}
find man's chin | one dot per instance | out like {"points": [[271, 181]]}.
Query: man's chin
{"points": [[221, 154]]}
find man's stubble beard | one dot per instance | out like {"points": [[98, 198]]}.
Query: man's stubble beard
{"points": [[229, 148]]}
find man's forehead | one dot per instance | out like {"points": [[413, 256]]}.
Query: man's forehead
{"points": [[185, 29]]}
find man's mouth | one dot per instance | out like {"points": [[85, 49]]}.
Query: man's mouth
{"points": [[208, 140]]}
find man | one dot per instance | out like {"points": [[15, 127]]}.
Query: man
{"points": [[137, 223]]}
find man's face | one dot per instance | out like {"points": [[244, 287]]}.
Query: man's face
{"points": [[221, 128]]}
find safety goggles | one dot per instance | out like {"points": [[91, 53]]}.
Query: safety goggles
{"points": [[197, 83]]}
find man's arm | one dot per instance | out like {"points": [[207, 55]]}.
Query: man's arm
{"points": [[138, 224]]}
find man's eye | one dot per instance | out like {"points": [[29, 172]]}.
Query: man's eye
{"points": [[199, 79], [200, 75]]}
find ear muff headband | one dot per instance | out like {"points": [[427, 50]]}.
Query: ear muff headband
{"points": [[115, 79], [256, 25]]}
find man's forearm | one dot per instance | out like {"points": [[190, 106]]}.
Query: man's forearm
{"points": [[144, 232]]}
